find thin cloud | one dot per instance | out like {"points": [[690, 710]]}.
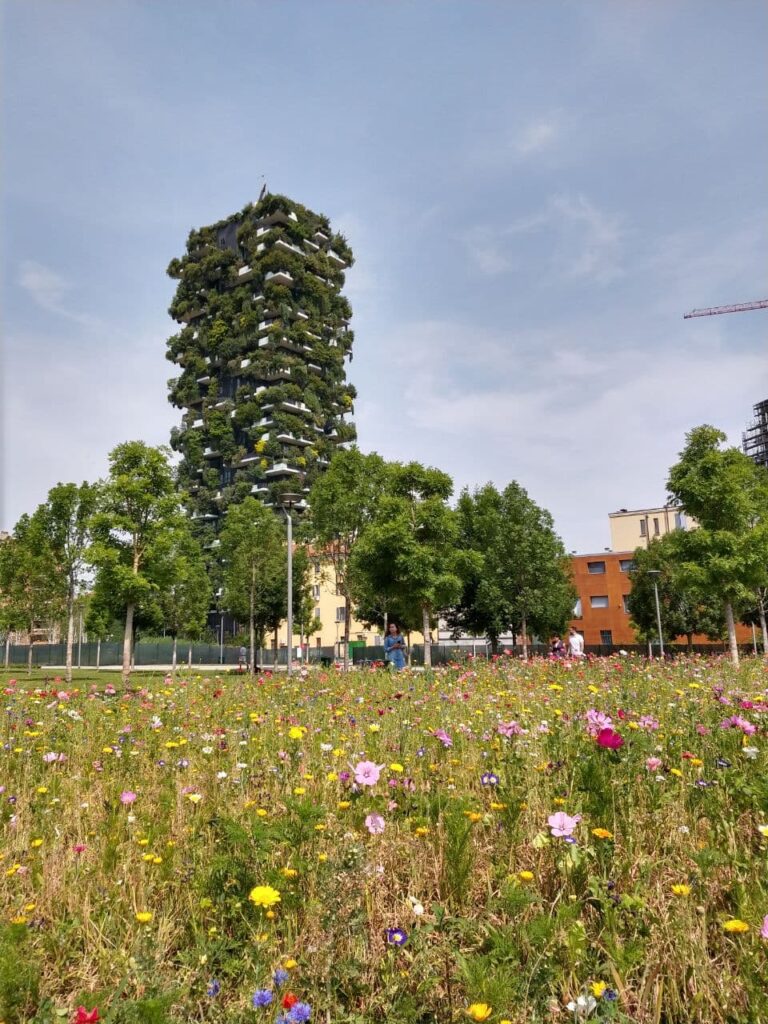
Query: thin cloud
{"points": [[48, 290], [537, 136]]}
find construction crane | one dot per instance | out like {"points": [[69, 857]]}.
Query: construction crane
{"points": [[738, 307]]}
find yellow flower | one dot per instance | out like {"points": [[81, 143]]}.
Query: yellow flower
{"points": [[558, 801], [735, 926], [525, 876], [332, 777], [264, 896], [374, 727], [144, 916], [290, 965], [473, 816], [479, 1011], [676, 771], [194, 798], [763, 830], [299, 790], [602, 833], [322, 857], [598, 987], [296, 732], [498, 807], [19, 920], [261, 813], [289, 872], [396, 767], [36, 842], [42, 789], [343, 805], [680, 889], [422, 831], [696, 762]]}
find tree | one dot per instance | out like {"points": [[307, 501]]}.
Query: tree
{"points": [[343, 501], [139, 505], [686, 609], [518, 577], [29, 588], [253, 558], [65, 519], [407, 552], [185, 593], [303, 602], [727, 493]]}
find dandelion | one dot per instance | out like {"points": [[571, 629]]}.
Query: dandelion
{"points": [[479, 1011], [602, 833], [681, 889], [598, 989], [525, 876], [264, 896], [144, 916], [735, 926]]}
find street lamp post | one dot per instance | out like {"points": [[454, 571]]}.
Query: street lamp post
{"points": [[654, 573], [288, 501]]}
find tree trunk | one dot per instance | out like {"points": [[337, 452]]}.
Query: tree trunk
{"points": [[524, 631], [427, 632], [70, 635], [98, 654], [29, 653], [189, 655], [494, 644], [127, 643], [763, 626], [173, 657], [7, 648], [731, 633], [347, 610], [689, 641]]}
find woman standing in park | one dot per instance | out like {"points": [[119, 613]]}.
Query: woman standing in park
{"points": [[394, 647]]}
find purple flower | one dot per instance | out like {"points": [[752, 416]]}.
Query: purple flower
{"points": [[214, 987], [510, 729], [280, 977], [396, 937], [127, 796], [445, 739], [764, 929], [262, 997], [375, 824], [489, 779], [299, 1013]]}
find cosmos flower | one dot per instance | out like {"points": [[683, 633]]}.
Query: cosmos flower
{"points": [[367, 773], [610, 739]]}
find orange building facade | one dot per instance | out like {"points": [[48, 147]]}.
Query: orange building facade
{"points": [[603, 586]]}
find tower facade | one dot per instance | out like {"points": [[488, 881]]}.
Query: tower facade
{"points": [[262, 345]]}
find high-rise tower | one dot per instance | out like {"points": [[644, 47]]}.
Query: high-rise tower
{"points": [[265, 331], [754, 440]]}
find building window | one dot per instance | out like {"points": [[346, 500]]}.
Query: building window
{"points": [[625, 602], [655, 527], [318, 641], [625, 564], [679, 520], [316, 591], [643, 531], [606, 637], [577, 612], [599, 601], [596, 568], [317, 613], [341, 614]]}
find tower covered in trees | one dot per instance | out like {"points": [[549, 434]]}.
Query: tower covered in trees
{"points": [[754, 440], [262, 345]]}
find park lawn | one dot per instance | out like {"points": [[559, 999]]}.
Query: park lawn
{"points": [[508, 841]]}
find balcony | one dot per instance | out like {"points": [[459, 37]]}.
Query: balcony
{"points": [[196, 423], [211, 453], [298, 408], [287, 247], [320, 237], [259, 489], [244, 273], [279, 277], [248, 459], [277, 217], [335, 258], [244, 363], [283, 469], [204, 379], [314, 368], [311, 245], [292, 439], [187, 318]]}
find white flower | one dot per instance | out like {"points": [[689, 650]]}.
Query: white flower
{"points": [[750, 752], [326, 747], [221, 775], [583, 1006], [207, 750]]}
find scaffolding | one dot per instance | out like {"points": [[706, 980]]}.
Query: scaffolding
{"points": [[754, 440]]}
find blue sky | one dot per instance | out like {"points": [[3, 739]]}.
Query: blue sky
{"points": [[535, 193]]}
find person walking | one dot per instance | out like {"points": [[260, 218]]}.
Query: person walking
{"points": [[242, 660], [394, 647], [575, 644]]}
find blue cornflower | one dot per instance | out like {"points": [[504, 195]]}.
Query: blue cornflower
{"points": [[280, 977], [611, 995], [262, 997], [299, 1013], [396, 936], [214, 987]]}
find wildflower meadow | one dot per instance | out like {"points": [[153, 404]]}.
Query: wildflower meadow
{"points": [[495, 841]]}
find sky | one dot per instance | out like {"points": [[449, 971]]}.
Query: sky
{"points": [[535, 192]]}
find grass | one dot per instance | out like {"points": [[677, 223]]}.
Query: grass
{"points": [[244, 782]]}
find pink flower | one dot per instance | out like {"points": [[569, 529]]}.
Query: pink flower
{"points": [[610, 739], [442, 735], [127, 796], [510, 729], [375, 824], [79, 847], [597, 720], [367, 773], [764, 929], [562, 825], [653, 763]]}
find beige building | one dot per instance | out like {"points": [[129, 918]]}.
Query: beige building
{"points": [[636, 528]]}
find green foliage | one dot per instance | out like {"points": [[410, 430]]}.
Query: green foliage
{"points": [[516, 571]]}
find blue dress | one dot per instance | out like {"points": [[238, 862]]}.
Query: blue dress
{"points": [[394, 650]]}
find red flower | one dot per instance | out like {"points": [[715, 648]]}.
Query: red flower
{"points": [[289, 999], [83, 1016], [610, 739]]}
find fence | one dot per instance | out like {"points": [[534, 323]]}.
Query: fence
{"points": [[110, 654]]}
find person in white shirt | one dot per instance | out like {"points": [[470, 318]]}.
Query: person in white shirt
{"points": [[575, 644]]}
